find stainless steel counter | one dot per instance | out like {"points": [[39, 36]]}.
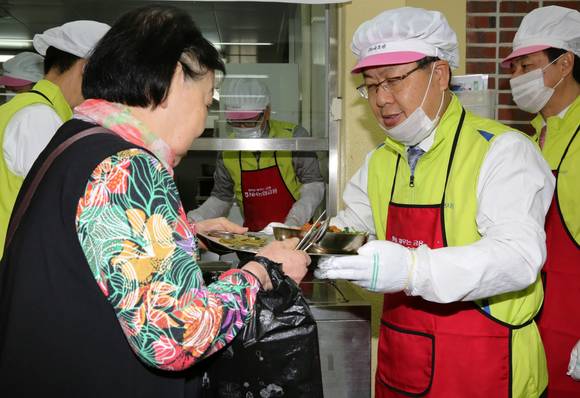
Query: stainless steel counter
{"points": [[344, 335]]}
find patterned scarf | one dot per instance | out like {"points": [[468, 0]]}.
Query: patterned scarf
{"points": [[118, 118]]}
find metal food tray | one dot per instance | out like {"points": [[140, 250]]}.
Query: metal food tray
{"points": [[212, 240]]}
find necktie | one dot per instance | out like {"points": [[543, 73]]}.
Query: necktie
{"points": [[542, 138], [413, 155]]}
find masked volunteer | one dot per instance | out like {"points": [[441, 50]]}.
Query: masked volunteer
{"points": [[457, 204], [22, 71], [29, 120], [545, 80], [268, 186]]}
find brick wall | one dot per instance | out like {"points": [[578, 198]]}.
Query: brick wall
{"points": [[491, 26]]}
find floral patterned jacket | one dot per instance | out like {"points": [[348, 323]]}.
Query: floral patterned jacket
{"points": [[142, 252]]}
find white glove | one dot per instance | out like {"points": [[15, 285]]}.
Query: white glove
{"points": [[381, 266], [574, 365], [269, 229]]}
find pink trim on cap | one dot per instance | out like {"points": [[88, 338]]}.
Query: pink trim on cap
{"points": [[522, 51], [13, 82], [393, 58], [242, 115]]}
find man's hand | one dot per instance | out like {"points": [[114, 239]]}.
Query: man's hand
{"points": [[381, 266]]}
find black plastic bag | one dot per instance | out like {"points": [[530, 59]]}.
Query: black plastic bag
{"points": [[275, 355]]}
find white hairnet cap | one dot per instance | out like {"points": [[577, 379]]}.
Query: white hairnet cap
{"points": [[244, 98], [547, 27], [22, 69], [404, 35], [77, 37]]}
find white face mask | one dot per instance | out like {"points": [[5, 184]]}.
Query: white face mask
{"points": [[529, 91], [417, 126], [248, 132]]}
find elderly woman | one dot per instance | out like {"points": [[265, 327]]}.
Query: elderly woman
{"points": [[100, 291]]}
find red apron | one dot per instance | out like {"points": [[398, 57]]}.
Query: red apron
{"points": [[437, 350], [559, 320], [266, 198]]}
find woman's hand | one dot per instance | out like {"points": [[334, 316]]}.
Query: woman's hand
{"points": [[294, 262], [221, 224]]}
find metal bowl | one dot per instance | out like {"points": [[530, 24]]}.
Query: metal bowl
{"points": [[331, 242], [281, 233], [340, 243]]}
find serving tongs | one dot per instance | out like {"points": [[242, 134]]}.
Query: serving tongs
{"points": [[314, 234]]}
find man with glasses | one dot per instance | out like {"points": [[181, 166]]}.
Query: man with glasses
{"points": [[545, 69], [457, 204], [269, 186]]}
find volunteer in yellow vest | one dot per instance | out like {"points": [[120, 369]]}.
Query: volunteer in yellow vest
{"points": [[545, 68], [29, 120], [21, 72], [457, 204], [269, 186]]}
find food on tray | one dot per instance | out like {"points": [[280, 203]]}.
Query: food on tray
{"points": [[306, 227], [334, 229], [223, 242], [335, 241], [238, 241]]}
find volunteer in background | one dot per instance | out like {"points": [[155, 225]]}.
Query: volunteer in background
{"points": [[269, 186], [457, 203], [545, 68], [29, 120], [22, 71]]}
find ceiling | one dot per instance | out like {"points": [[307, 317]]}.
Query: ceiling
{"points": [[219, 21]]}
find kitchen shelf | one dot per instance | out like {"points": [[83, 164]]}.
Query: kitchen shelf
{"points": [[260, 144]]}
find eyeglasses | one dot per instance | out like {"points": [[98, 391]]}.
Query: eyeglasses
{"points": [[248, 123], [389, 84]]}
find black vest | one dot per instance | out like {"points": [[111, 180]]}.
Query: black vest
{"points": [[59, 336]]}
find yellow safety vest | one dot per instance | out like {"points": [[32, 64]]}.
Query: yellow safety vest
{"points": [[529, 373], [10, 182], [560, 132], [248, 161]]}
